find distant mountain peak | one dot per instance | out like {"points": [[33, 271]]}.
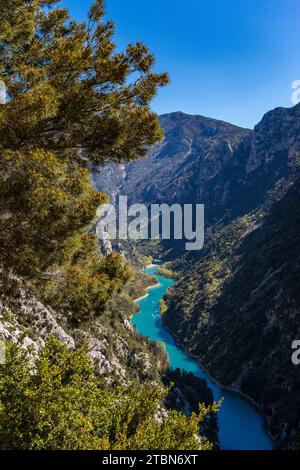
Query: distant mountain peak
{"points": [[179, 117]]}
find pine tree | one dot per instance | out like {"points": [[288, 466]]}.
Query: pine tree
{"points": [[70, 92], [73, 100]]}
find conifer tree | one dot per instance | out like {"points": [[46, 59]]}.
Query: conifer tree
{"points": [[73, 101]]}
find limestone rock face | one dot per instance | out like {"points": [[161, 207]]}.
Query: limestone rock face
{"points": [[26, 321]]}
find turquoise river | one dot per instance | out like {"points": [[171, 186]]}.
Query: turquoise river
{"points": [[241, 426]]}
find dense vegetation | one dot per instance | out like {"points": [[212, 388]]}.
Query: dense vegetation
{"points": [[164, 272], [73, 101], [187, 391], [59, 403]]}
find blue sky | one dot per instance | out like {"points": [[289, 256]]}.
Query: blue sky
{"points": [[228, 59]]}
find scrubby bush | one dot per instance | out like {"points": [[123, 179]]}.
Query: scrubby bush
{"points": [[59, 403]]}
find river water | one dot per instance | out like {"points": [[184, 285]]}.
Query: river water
{"points": [[241, 426]]}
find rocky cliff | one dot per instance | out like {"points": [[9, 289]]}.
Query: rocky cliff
{"points": [[236, 303], [193, 151], [241, 313], [118, 352]]}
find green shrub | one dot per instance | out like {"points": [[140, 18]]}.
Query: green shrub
{"points": [[59, 403]]}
